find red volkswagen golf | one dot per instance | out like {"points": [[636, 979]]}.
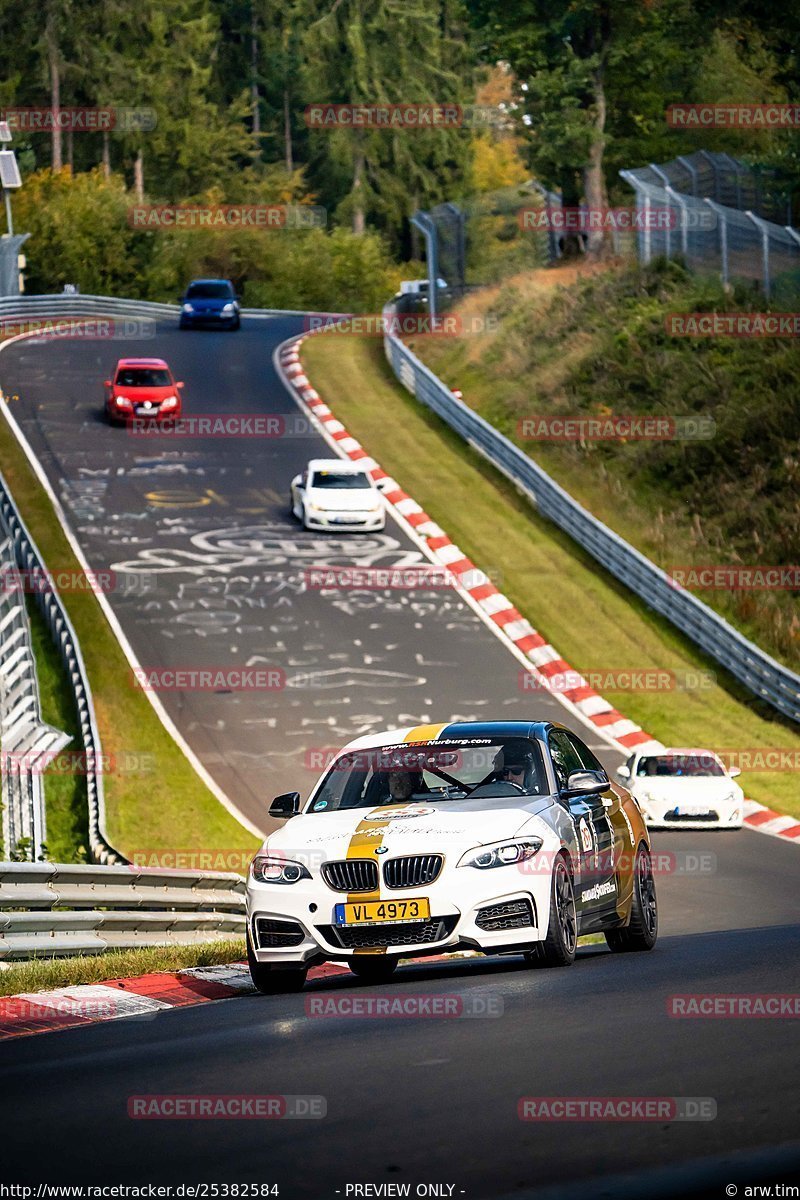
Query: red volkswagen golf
{"points": [[142, 387]]}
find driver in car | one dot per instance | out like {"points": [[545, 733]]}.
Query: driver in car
{"points": [[402, 785], [514, 764]]}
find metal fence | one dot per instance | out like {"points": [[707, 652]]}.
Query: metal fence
{"points": [[49, 909], [28, 559], [719, 215], [766, 678], [26, 742]]}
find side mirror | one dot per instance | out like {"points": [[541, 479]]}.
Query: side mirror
{"points": [[106, 383], [623, 773], [179, 385], [585, 783], [735, 772], [286, 805]]}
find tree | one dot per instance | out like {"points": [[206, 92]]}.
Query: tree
{"points": [[586, 68], [384, 52]]}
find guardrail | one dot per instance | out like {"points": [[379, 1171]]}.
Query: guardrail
{"points": [[49, 909], [26, 742], [766, 678], [29, 560], [77, 305]]}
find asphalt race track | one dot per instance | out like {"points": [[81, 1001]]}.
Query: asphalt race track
{"points": [[209, 565], [409, 1101]]}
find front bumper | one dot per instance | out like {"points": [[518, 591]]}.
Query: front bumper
{"points": [[458, 919], [714, 815], [126, 416], [210, 319], [345, 522]]}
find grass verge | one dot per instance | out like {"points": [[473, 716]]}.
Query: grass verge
{"points": [[593, 621], [66, 804], [162, 805], [40, 974]]}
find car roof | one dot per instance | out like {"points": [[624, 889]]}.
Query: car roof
{"points": [[339, 465], [142, 362], [448, 730], [191, 281]]}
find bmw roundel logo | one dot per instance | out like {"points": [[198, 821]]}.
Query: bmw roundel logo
{"points": [[381, 849]]}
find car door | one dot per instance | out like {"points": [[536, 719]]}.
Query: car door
{"points": [[595, 892], [621, 837]]}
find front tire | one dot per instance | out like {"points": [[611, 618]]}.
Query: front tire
{"points": [[274, 981], [558, 948], [375, 969], [642, 931]]}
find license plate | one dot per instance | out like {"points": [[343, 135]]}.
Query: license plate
{"points": [[374, 912], [146, 412]]}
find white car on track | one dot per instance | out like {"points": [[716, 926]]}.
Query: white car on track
{"points": [[684, 788], [497, 836], [334, 494]]}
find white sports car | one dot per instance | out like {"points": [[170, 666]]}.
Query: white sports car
{"points": [[682, 788], [334, 494], [498, 836]]}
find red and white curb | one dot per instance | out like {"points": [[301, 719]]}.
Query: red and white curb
{"points": [[764, 820], [146, 995], [540, 657]]}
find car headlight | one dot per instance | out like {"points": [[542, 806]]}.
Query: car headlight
{"points": [[501, 854], [227, 308], [122, 402], [170, 402], [188, 308], [266, 868]]}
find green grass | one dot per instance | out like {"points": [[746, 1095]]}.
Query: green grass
{"points": [[163, 805], [41, 974], [64, 790], [593, 621]]}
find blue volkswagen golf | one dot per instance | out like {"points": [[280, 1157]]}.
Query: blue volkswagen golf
{"points": [[211, 302]]}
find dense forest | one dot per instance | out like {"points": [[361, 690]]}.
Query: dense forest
{"points": [[210, 103]]}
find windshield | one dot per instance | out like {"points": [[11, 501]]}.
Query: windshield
{"points": [[209, 291], [405, 774], [340, 479], [143, 377], [684, 765]]}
